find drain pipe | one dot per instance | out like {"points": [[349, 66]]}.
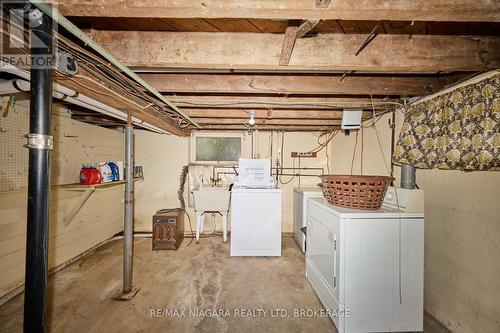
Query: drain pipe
{"points": [[408, 176], [40, 145]]}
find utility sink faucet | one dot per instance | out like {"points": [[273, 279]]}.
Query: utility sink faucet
{"points": [[215, 180]]}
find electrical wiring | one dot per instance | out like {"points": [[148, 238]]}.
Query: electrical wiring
{"points": [[354, 152], [180, 123], [280, 170], [292, 177], [382, 151], [320, 105], [271, 145], [114, 76], [93, 60], [325, 145], [118, 84], [374, 120], [322, 145], [116, 80], [114, 94], [299, 171], [327, 161], [391, 173], [280, 167], [362, 148]]}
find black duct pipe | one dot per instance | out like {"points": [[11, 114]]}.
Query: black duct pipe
{"points": [[40, 145]]}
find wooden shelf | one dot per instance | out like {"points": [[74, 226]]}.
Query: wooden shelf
{"points": [[87, 192], [78, 186]]}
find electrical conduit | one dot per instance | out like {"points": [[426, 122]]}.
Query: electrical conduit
{"points": [[73, 97]]}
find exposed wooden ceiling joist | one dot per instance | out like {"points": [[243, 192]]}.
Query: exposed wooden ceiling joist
{"points": [[244, 40], [268, 114], [271, 102], [294, 84], [291, 35], [288, 128], [386, 53], [99, 92], [416, 10], [275, 26], [287, 122]]}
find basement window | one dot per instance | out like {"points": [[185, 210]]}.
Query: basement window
{"points": [[217, 148]]}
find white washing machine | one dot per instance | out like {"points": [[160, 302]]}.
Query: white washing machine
{"points": [[255, 222], [300, 196], [367, 267]]}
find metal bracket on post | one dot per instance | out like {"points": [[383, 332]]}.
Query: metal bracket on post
{"points": [[39, 141]]}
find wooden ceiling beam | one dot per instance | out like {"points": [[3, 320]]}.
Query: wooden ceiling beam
{"points": [[266, 114], [416, 10], [265, 121], [267, 102], [291, 34], [98, 91], [286, 128], [294, 84], [324, 52], [322, 3]]}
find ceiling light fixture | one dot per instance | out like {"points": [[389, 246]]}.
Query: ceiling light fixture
{"points": [[251, 121]]}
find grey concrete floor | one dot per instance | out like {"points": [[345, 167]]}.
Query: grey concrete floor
{"points": [[179, 291]]}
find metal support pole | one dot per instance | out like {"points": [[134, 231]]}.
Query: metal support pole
{"points": [[129, 209], [128, 291], [39, 144]]}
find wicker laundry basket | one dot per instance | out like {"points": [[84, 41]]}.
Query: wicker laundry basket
{"points": [[355, 191]]}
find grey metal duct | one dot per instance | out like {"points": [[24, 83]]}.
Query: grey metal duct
{"points": [[408, 176]]}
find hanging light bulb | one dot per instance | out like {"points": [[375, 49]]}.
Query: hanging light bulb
{"points": [[251, 121]]}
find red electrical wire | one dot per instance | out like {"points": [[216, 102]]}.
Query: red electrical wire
{"points": [[354, 152]]}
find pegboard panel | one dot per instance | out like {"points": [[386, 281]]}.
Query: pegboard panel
{"points": [[75, 143], [14, 124]]}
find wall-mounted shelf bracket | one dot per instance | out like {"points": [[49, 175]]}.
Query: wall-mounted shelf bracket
{"points": [[87, 191], [78, 205]]}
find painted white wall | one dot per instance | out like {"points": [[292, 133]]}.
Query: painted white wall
{"points": [[163, 157], [376, 150], [462, 248], [462, 233], [299, 142]]}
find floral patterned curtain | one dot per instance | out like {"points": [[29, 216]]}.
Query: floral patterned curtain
{"points": [[456, 130]]}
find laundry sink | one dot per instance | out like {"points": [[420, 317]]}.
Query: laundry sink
{"points": [[211, 199]]}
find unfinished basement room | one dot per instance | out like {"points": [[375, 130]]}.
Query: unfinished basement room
{"points": [[250, 166]]}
